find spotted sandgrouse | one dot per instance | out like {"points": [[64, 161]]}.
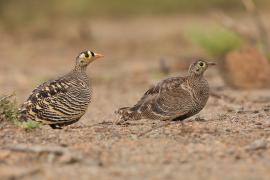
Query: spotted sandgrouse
{"points": [[175, 98], [64, 100]]}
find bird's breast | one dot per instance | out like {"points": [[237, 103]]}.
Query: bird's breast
{"points": [[199, 91]]}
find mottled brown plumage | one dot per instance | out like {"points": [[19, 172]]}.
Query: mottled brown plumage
{"points": [[175, 98], [62, 101]]}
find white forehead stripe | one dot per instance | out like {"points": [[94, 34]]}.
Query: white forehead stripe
{"points": [[82, 55]]}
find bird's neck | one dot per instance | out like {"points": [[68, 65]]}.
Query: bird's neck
{"points": [[193, 77], [80, 69], [81, 74]]}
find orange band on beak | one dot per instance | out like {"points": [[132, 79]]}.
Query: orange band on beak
{"points": [[98, 55]]}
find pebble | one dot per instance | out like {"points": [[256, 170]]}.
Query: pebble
{"points": [[258, 123], [257, 145]]}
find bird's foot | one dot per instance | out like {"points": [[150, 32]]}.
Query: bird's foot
{"points": [[56, 126], [199, 119]]}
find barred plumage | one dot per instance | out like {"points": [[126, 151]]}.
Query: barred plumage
{"points": [[175, 98], [62, 101]]}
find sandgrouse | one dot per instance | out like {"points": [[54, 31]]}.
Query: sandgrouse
{"points": [[64, 100], [175, 98]]}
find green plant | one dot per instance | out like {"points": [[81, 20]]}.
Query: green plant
{"points": [[9, 111], [216, 41], [29, 124], [8, 108]]}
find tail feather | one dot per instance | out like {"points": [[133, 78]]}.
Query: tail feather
{"points": [[22, 116], [126, 113]]}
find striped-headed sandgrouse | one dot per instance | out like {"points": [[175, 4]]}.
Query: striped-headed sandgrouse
{"points": [[175, 98], [64, 100]]}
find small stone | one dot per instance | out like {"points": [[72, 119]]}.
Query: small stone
{"points": [[241, 111], [237, 157], [257, 145], [267, 124], [258, 123], [200, 119], [67, 159], [230, 110], [231, 151], [4, 154], [266, 109]]}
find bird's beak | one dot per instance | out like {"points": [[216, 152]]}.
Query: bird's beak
{"points": [[97, 56], [211, 63]]}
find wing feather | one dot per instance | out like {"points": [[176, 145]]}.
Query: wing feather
{"points": [[42, 96], [162, 87], [166, 100]]}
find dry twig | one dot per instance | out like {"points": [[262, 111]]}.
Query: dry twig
{"points": [[58, 150], [55, 150], [6, 97], [29, 173], [244, 30], [101, 123], [240, 29], [254, 13]]}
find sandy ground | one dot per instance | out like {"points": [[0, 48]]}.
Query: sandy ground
{"points": [[229, 139]]}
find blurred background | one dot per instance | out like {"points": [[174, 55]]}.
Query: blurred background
{"points": [[143, 41]]}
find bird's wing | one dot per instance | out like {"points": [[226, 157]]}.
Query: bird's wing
{"points": [[169, 99], [45, 91], [50, 89], [160, 88], [166, 85]]}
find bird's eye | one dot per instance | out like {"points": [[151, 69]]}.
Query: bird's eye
{"points": [[93, 54], [201, 64], [86, 55]]}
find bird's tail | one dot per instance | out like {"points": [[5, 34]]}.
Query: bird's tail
{"points": [[22, 114], [126, 113]]}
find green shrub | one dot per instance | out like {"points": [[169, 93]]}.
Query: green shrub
{"points": [[9, 111], [8, 108], [216, 41], [29, 124]]}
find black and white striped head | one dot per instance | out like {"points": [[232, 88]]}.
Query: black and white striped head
{"points": [[199, 66], [86, 57]]}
